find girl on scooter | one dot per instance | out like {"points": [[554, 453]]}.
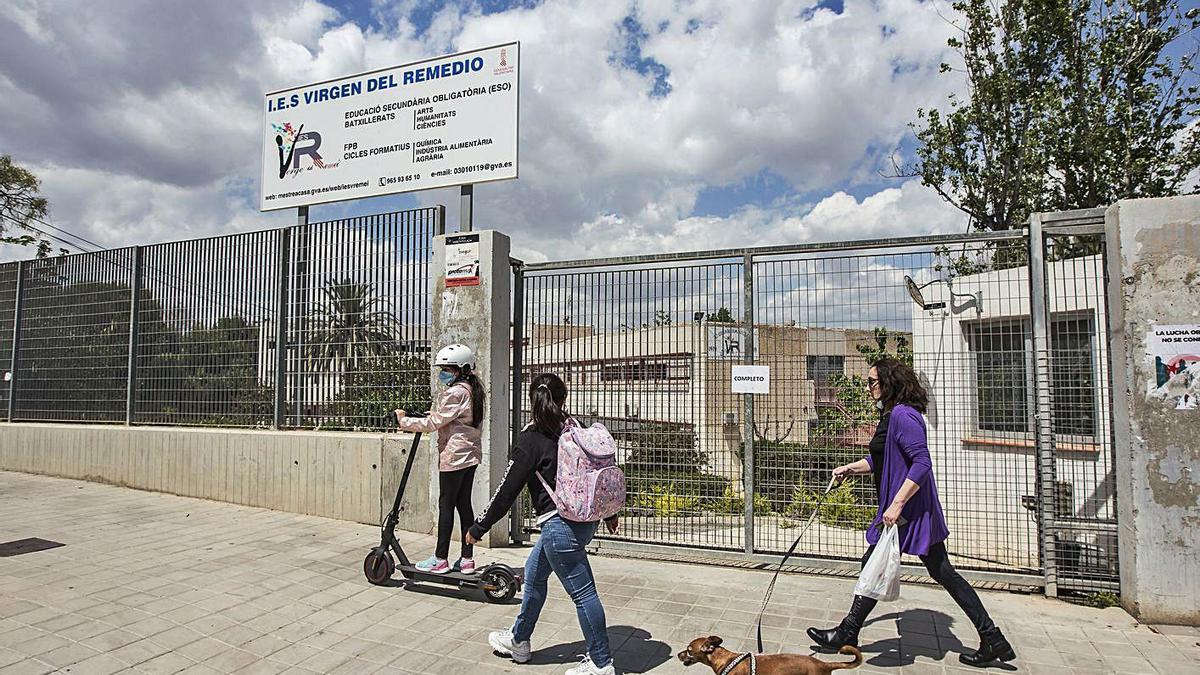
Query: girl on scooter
{"points": [[456, 415]]}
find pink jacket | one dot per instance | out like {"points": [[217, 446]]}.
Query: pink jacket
{"points": [[459, 443]]}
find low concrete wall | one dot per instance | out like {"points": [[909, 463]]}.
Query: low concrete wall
{"points": [[335, 475]]}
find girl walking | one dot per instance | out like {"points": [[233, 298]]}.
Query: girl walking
{"points": [[900, 462], [560, 548], [456, 416]]}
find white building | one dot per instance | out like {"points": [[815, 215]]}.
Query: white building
{"points": [[977, 360]]}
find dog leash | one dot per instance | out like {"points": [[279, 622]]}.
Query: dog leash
{"points": [[771, 587]]}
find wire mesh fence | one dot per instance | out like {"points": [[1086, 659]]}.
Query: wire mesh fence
{"points": [[211, 332], [645, 351], [647, 347]]}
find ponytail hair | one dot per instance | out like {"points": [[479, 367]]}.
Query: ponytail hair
{"points": [[478, 395], [548, 395]]}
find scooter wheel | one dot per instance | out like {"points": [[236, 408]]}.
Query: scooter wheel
{"points": [[378, 566], [498, 584]]}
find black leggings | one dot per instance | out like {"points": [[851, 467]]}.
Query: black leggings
{"points": [[937, 562], [455, 495]]}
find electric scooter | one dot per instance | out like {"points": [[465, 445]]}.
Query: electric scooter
{"points": [[498, 581]]}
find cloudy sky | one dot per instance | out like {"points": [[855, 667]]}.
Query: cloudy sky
{"points": [[645, 125]]}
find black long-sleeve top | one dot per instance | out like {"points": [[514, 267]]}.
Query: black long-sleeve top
{"points": [[533, 451]]}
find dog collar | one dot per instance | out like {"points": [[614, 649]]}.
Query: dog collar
{"points": [[734, 664]]}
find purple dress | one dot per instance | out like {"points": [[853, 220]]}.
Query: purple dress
{"points": [[906, 456]]}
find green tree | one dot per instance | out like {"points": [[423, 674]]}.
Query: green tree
{"points": [[722, 315], [351, 327], [854, 406], [385, 384], [1070, 104], [21, 205]]}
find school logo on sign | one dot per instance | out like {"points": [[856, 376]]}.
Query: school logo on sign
{"points": [[295, 144]]}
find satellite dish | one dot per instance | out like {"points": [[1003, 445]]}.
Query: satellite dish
{"points": [[914, 292]]}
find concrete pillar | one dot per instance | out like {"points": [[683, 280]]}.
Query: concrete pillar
{"points": [[1154, 280], [476, 310]]}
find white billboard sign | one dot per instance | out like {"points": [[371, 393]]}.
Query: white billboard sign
{"points": [[436, 123]]}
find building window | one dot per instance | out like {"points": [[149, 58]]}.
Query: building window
{"points": [[1073, 375], [646, 371], [1002, 354], [821, 370]]}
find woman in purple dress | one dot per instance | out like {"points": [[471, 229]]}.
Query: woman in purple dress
{"points": [[900, 462]]}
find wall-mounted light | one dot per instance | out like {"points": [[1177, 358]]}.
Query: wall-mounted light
{"points": [[914, 292]]}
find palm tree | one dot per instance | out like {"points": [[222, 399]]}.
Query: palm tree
{"points": [[350, 327]]}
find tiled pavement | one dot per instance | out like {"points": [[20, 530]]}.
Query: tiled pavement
{"points": [[155, 583]]}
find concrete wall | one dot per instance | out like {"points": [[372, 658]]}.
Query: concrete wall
{"points": [[1154, 265], [335, 475], [480, 317]]}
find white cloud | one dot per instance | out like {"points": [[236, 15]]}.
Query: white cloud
{"points": [[143, 120]]}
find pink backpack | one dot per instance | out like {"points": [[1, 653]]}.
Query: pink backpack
{"points": [[589, 486]]}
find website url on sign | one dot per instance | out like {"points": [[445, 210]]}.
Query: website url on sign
{"points": [[318, 190]]}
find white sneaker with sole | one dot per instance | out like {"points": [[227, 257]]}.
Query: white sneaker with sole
{"points": [[503, 642], [586, 667]]}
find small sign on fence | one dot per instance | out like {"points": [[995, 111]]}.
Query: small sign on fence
{"points": [[1175, 352], [462, 260], [750, 379]]}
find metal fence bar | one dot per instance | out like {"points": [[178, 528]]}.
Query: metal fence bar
{"points": [[15, 357], [820, 247], [282, 279], [748, 489], [1044, 423], [135, 292], [516, 531]]}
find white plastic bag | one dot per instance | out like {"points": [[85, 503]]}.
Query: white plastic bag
{"points": [[880, 578]]}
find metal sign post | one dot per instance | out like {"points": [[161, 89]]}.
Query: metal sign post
{"points": [[466, 200]]}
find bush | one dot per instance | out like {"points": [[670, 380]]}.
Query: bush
{"points": [[664, 446], [842, 507], [781, 468], [1101, 600], [733, 504], [707, 488], [664, 501]]}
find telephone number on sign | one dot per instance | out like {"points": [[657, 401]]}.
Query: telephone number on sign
{"points": [[392, 180], [471, 168]]}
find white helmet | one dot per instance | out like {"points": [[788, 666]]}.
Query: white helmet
{"points": [[455, 355]]}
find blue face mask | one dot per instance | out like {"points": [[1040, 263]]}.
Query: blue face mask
{"points": [[446, 377]]}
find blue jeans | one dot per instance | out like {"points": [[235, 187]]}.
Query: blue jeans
{"points": [[560, 550]]}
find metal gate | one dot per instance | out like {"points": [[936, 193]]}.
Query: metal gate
{"points": [[1007, 331]]}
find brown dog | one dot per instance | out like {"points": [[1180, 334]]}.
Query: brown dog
{"points": [[708, 651]]}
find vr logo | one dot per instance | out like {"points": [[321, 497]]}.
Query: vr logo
{"points": [[292, 160]]}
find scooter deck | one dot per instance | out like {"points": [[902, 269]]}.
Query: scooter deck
{"points": [[452, 577]]}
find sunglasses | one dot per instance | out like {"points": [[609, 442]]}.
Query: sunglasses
{"points": [[871, 382]]}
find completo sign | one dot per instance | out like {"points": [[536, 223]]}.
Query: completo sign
{"points": [[750, 379], [436, 123]]}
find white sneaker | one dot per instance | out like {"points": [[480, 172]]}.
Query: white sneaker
{"points": [[586, 667], [503, 642]]}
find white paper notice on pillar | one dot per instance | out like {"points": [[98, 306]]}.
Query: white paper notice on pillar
{"points": [[462, 260], [750, 379], [1175, 355]]}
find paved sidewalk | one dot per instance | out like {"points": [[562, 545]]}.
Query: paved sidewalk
{"points": [[155, 583]]}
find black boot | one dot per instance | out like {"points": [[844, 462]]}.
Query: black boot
{"points": [[993, 646], [846, 632]]}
